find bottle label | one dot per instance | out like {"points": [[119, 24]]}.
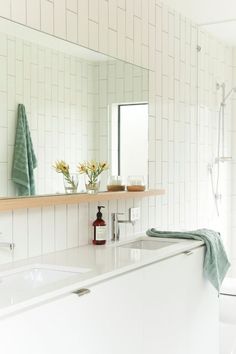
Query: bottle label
{"points": [[101, 233]]}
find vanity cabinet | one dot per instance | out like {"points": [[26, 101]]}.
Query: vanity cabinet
{"points": [[163, 308], [105, 321], [181, 307]]}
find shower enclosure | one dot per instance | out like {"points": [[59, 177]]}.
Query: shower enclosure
{"points": [[215, 167]]}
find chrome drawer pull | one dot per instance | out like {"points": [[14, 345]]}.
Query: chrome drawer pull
{"points": [[81, 292], [188, 253]]}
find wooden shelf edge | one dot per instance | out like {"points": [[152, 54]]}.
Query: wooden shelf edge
{"points": [[48, 200]]}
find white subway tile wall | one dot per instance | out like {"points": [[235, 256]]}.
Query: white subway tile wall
{"points": [[183, 118]]}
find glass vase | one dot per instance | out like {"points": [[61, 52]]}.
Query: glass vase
{"points": [[71, 184], [92, 186]]}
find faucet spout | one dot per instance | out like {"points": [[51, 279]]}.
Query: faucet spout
{"points": [[115, 229], [9, 245]]}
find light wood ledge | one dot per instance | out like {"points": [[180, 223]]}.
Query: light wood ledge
{"points": [[47, 200]]}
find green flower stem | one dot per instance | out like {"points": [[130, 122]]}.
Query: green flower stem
{"points": [[69, 179]]}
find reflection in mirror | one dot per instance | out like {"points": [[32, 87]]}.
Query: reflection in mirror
{"points": [[69, 93], [129, 128]]}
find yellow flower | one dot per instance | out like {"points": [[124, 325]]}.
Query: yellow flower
{"points": [[92, 169], [103, 165], [82, 168], [61, 167]]}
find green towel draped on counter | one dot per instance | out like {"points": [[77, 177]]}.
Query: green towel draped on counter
{"points": [[216, 261], [24, 159]]}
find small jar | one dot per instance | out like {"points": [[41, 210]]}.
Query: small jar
{"points": [[135, 184], [115, 184]]}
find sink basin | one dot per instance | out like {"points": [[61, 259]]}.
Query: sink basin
{"points": [[148, 244], [35, 276]]}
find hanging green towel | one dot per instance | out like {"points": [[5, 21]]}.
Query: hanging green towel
{"points": [[216, 261], [24, 159]]}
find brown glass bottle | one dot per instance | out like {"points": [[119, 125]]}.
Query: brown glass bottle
{"points": [[99, 227]]}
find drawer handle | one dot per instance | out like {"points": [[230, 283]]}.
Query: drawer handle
{"points": [[81, 292], [188, 253]]}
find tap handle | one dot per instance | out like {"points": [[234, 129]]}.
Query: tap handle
{"points": [[115, 215]]}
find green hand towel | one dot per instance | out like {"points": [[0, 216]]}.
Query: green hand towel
{"points": [[24, 159], [216, 262]]}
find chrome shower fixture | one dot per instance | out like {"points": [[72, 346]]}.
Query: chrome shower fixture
{"points": [[224, 96], [221, 156]]}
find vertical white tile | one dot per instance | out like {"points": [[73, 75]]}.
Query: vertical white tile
{"points": [[33, 13], [48, 229], [83, 27], [18, 11], [60, 18], [34, 232], [3, 74], [6, 236], [6, 226], [3, 150], [144, 214], [20, 234], [121, 4], [129, 50], [5, 8], [129, 19], [4, 191], [121, 33], [137, 41], [113, 14], [103, 26], [72, 5], [152, 12], [83, 224], [3, 110], [93, 35], [93, 10], [112, 42], [72, 225], [47, 18], [72, 26], [60, 227]]}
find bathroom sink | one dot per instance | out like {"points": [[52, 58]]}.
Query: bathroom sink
{"points": [[33, 277], [148, 244]]}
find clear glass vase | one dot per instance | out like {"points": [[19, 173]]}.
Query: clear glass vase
{"points": [[71, 185], [92, 186]]}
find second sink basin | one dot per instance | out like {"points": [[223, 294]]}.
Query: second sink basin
{"points": [[35, 276], [148, 244]]}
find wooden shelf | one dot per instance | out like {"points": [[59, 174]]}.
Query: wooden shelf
{"points": [[47, 200]]}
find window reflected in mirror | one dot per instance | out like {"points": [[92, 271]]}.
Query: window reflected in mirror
{"points": [[129, 151]]}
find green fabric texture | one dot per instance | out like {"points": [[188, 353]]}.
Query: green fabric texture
{"points": [[216, 263], [24, 159]]}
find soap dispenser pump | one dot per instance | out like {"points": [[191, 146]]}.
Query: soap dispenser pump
{"points": [[100, 229]]}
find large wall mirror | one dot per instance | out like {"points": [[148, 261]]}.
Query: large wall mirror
{"points": [[72, 97]]}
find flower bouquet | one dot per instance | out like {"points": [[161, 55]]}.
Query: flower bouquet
{"points": [[92, 171]]}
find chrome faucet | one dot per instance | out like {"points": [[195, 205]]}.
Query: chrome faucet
{"points": [[115, 229], [9, 245]]}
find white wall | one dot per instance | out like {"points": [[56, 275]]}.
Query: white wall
{"points": [[181, 139]]}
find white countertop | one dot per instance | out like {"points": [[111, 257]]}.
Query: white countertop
{"points": [[103, 263]]}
